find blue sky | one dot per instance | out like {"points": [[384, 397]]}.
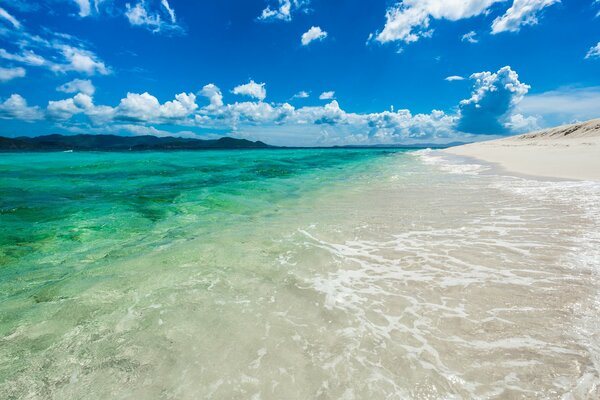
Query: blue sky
{"points": [[298, 72]]}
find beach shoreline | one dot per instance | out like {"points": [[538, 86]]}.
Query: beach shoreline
{"points": [[570, 152]]}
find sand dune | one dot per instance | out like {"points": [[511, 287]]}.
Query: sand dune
{"points": [[566, 152]]}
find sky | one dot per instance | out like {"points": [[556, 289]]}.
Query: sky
{"points": [[298, 72]]}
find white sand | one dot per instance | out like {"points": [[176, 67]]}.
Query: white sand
{"points": [[568, 152]]}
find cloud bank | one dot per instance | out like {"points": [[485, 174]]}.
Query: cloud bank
{"points": [[491, 109]]}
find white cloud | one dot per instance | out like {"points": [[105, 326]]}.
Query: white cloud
{"points": [[13, 21], [75, 60], [80, 60], [7, 74], [142, 14], [140, 130], [213, 94], [138, 15], [470, 37], [594, 52], [498, 104], [27, 57], [100, 115], [494, 97], [454, 78], [140, 107], [63, 109], [330, 125], [283, 10], [252, 89], [327, 95], [146, 108], [564, 105], [84, 7], [255, 113], [170, 11], [409, 20], [301, 95], [522, 12], [183, 106], [84, 86], [15, 107], [518, 123], [314, 33], [58, 52]]}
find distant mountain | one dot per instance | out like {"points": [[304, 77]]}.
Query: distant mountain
{"points": [[121, 143]]}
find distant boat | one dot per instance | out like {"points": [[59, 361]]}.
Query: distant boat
{"points": [[68, 151]]}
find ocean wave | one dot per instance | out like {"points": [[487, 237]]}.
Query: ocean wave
{"points": [[448, 163]]}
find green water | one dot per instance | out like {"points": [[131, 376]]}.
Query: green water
{"points": [[293, 274], [73, 224], [63, 212]]}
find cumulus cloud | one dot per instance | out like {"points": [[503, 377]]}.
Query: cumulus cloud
{"points": [[470, 37], [498, 105], [139, 107], [7, 74], [327, 95], [284, 9], [8, 17], [494, 96], [65, 109], [518, 123], [16, 107], [84, 86], [145, 107], [183, 106], [213, 94], [409, 20], [314, 33], [594, 52], [453, 78], [252, 89], [521, 13]]}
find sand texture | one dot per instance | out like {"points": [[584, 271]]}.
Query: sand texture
{"points": [[566, 152]]}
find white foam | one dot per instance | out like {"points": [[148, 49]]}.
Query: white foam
{"points": [[446, 163]]}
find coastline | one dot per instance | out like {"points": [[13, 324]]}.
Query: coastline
{"points": [[567, 152]]}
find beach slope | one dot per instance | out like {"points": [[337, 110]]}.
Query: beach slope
{"points": [[566, 152]]}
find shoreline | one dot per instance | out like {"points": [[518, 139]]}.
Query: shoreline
{"points": [[570, 152]]}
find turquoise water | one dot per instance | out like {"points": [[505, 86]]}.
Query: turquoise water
{"points": [[293, 274], [60, 212]]}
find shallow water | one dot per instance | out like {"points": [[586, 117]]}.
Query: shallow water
{"points": [[328, 274]]}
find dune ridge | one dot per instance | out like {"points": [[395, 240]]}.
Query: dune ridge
{"points": [[564, 152]]}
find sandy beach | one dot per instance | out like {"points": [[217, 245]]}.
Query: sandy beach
{"points": [[565, 152]]}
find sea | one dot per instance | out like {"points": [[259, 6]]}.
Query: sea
{"points": [[294, 274]]}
